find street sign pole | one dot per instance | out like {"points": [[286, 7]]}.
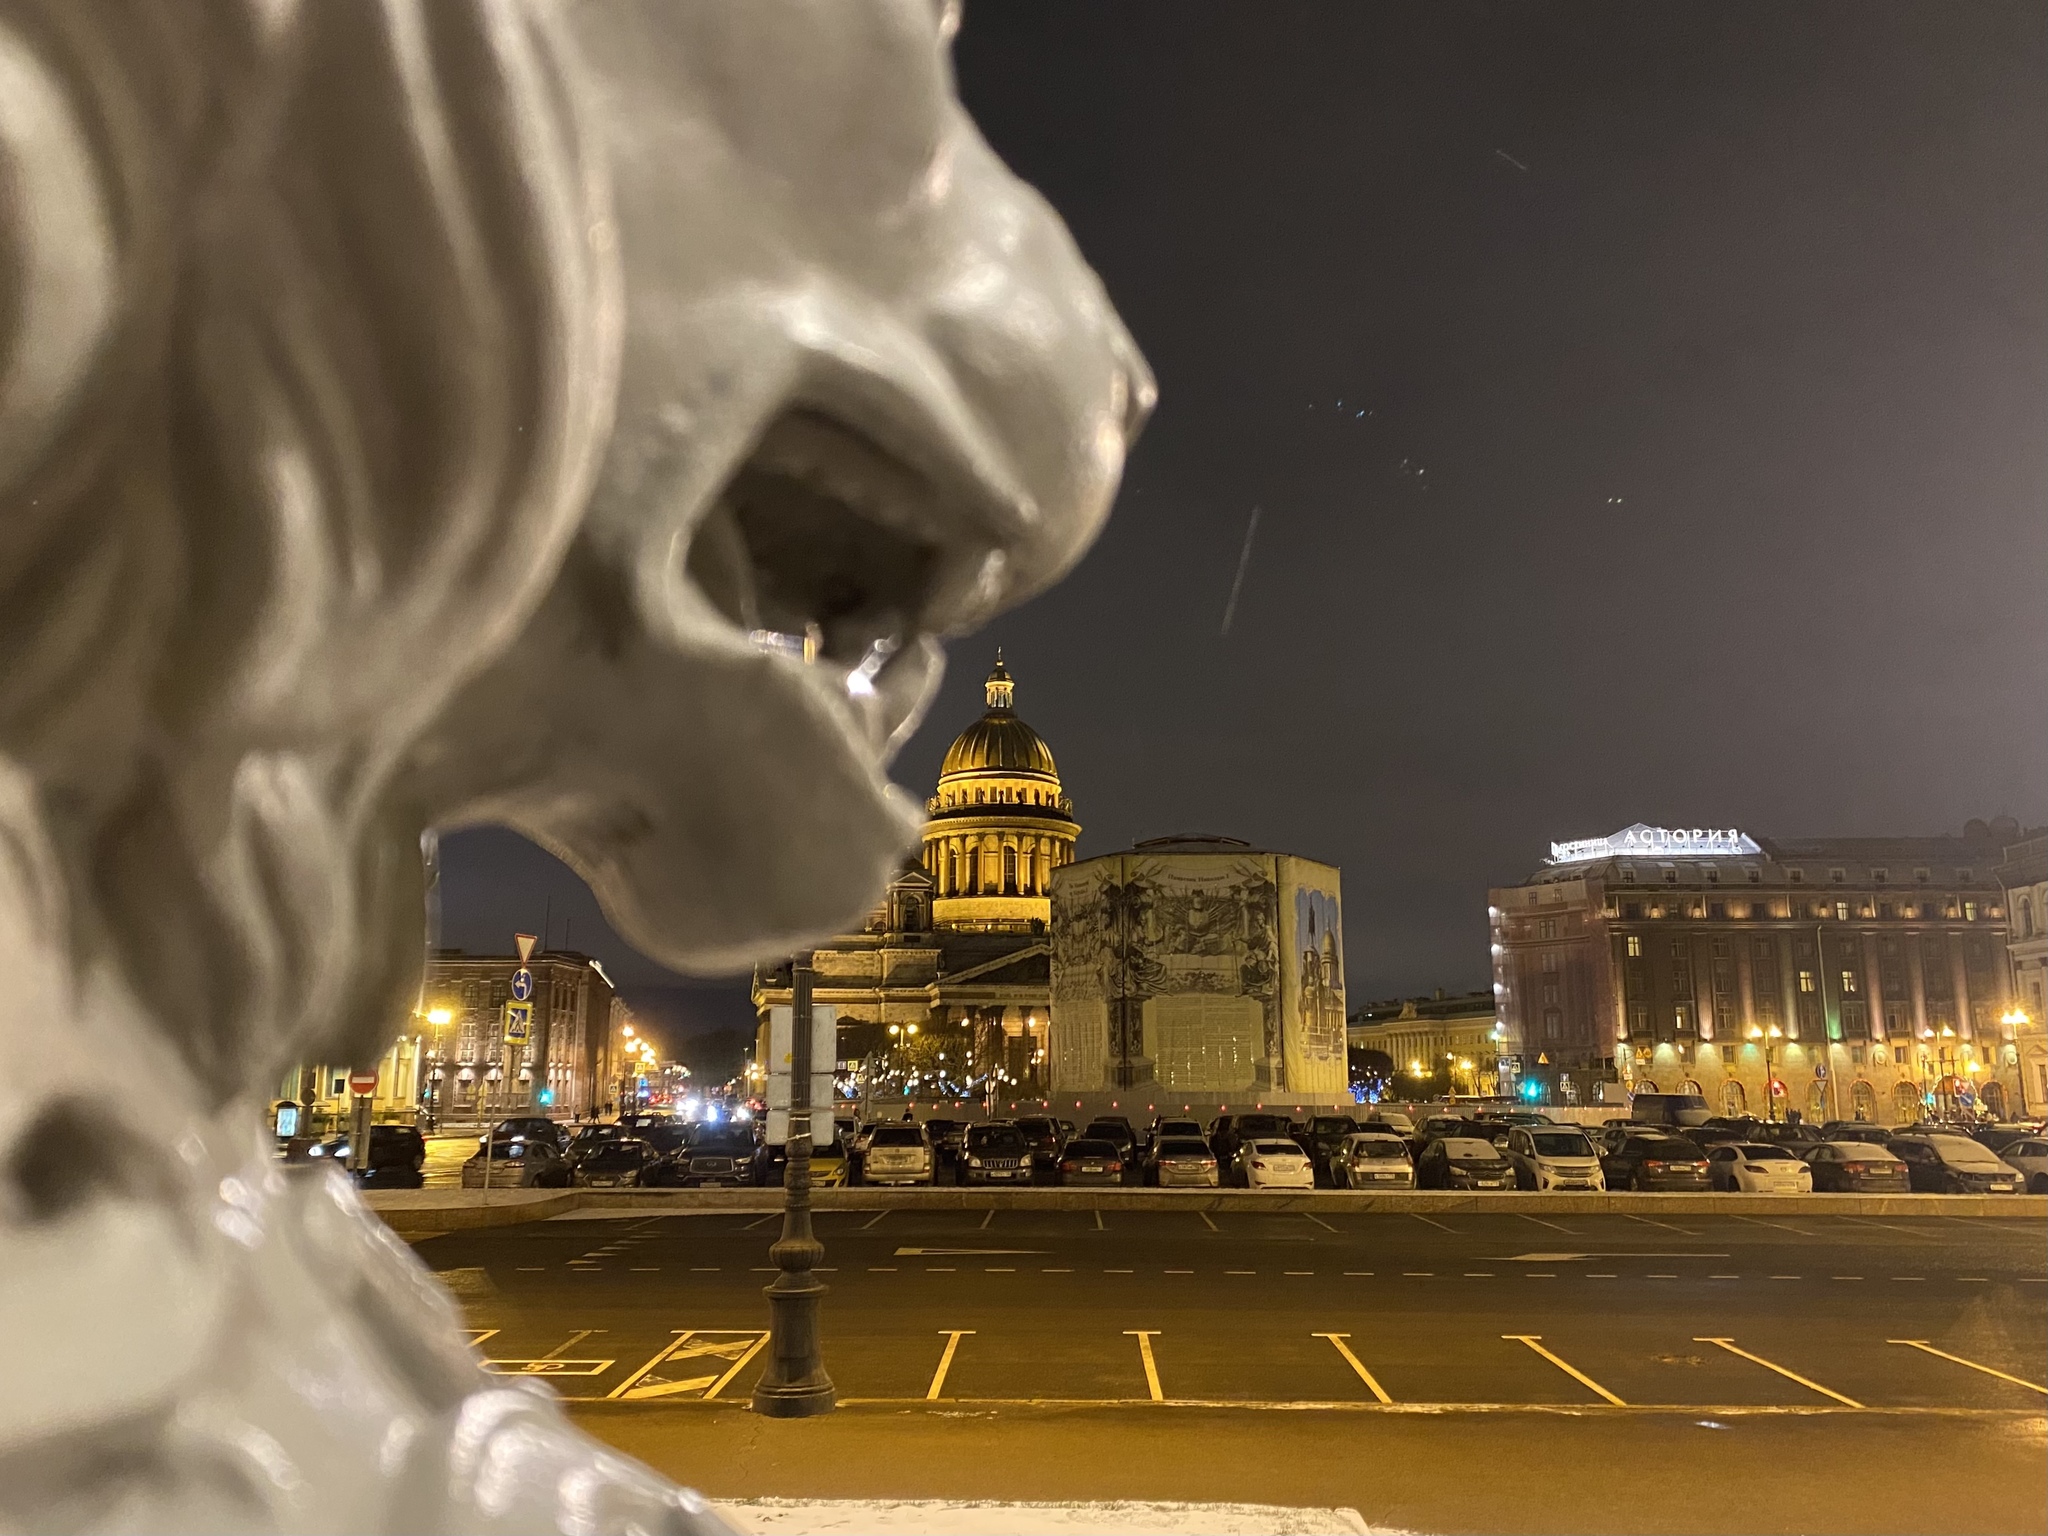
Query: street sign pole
{"points": [[363, 1084], [794, 1385]]}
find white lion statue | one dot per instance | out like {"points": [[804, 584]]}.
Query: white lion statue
{"points": [[582, 417]]}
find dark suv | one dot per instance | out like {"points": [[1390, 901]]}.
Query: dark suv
{"points": [[1043, 1134], [1229, 1132], [719, 1155], [1655, 1159], [996, 1153], [398, 1153], [1322, 1137]]}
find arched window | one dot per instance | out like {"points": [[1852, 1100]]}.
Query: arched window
{"points": [[1817, 1100], [1734, 1099], [1905, 1103], [1009, 871], [952, 871], [1863, 1101], [1994, 1099]]}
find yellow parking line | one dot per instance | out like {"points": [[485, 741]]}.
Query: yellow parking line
{"points": [[1533, 1340], [1098, 1218], [1729, 1345], [1145, 1336], [478, 1335], [1207, 1222], [987, 1218], [953, 1338], [1319, 1221], [872, 1220], [738, 1365], [1922, 1344], [1355, 1363], [682, 1337], [567, 1344]]}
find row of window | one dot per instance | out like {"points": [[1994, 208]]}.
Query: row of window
{"points": [[1837, 875]]}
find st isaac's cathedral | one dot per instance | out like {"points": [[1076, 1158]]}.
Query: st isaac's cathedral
{"points": [[959, 946]]}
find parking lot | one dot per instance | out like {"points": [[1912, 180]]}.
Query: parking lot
{"points": [[1350, 1310]]}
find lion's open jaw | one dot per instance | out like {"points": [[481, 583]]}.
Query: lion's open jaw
{"points": [[829, 549]]}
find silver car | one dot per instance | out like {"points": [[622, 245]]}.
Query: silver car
{"points": [[897, 1154], [1184, 1162], [1373, 1160]]}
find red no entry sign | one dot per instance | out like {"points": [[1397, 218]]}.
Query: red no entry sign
{"points": [[364, 1083]]}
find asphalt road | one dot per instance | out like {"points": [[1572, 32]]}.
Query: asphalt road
{"points": [[1436, 1373]]}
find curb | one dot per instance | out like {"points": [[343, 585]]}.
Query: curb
{"points": [[409, 1214]]}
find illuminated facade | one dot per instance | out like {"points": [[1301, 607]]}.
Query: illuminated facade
{"points": [[2024, 878], [958, 949], [1199, 972], [1000, 823], [1843, 978]]}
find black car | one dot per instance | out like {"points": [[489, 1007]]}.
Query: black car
{"points": [[614, 1164], [1799, 1138], [1654, 1159], [995, 1153], [1116, 1130], [1999, 1137], [1322, 1137], [720, 1155], [529, 1128], [1723, 1128], [1230, 1132], [1088, 1161], [1941, 1163], [1463, 1162], [948, 1137], [398, 1154], [1045, 1138], [590, 1137], [1855, 1130]]}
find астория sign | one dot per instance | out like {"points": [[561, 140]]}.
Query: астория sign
{"points": [[1657, 842]]}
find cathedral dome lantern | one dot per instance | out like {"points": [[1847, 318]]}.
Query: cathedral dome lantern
{"points": [[1000, 822]]}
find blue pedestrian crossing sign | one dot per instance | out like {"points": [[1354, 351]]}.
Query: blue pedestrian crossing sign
{"points": [[522, 984], [518, 1023]]}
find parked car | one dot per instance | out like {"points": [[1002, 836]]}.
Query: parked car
{"points": [[1385, 1114], [1554, 1158], [531, 1127], [525, 1163], [1798, 1137], [2030, 1158], [397, 1158], [1117, 1129], [996, 1153], [1372, 1160], [1857, 1167], [1169, 1125], [716, 1155], [1182, 1162], [1645, 1159], [589, 1138], [1463, 1162], [1955, 1165], [1043, 1134], [1273, 1162], [1724, 1128], [1674, 1111], [1757, 1167], [946, 1137], [1855, 1130], [897, 1154], [1520, 1117], [1321, 1137], [614, 1164], [1229, 1133], [1999, 1137], [1092, 1160]]}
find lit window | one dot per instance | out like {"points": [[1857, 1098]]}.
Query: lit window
{"points": [[1808, 982], [1848, 981], [1969, 911], [1841, 911], [1635, 946]]}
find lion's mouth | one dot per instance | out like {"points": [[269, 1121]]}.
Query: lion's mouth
{"points": [[829, 549]]}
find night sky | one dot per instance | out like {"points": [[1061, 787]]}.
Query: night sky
{"points": [[1702, 475]]}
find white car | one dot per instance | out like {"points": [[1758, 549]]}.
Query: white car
{"points": [[897, 1154], [1269, 1163], [1755, 1168], [1385, 1115], [1373, 1160], [1547, 1157], [2030, 1157]]}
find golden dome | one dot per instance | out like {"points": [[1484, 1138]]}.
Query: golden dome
{"points": [[999, 742]]}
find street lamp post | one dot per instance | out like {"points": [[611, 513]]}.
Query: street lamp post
{"points": [[794, 1385], [1770, 1070], [2016, 1019]]}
